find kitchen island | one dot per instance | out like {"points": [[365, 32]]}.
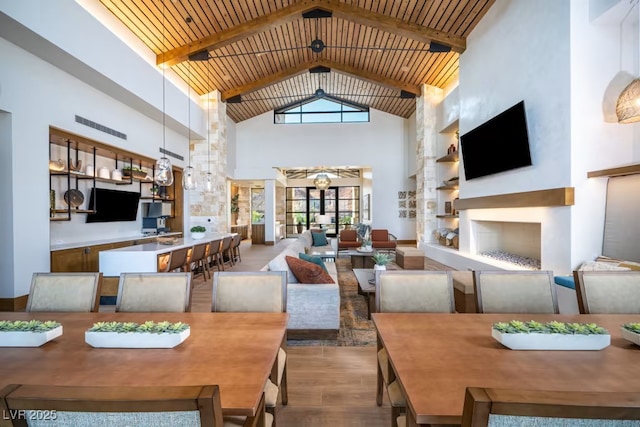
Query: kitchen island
{"points": [[144, 258]]}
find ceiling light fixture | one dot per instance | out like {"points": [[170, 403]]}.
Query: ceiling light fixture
{"points": [[189, 181], [163, 174], [322, 181]]}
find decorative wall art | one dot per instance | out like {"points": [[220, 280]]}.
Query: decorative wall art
{"points": [[407, 204]]}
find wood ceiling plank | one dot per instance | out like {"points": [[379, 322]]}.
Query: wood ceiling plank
{"points": [[393, 25], [268, 80], [371, 77], [235, 33]]}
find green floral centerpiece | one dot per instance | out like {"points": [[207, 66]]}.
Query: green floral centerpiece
{"points": [[28, 333], [133, 335], [631, 332], [554, 335], [198, 232]]}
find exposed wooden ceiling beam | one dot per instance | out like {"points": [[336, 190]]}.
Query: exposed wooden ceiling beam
{"points": [[392, 25], [287, 14], [370, 77], [239, 32], [268, 80]]}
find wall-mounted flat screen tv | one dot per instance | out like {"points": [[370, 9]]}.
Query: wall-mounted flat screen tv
{"points": [[113, 205], [498, 145]]}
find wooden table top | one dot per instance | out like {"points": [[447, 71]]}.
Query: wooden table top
{"points": [[436, 356], [233, 350]]}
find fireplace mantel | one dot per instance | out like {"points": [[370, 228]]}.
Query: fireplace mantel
{"points": [[563, 196]]}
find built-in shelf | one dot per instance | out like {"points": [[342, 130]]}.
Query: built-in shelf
{"points": [[449, 158], [619, 171], [447, 216], [160, 199], [447, 187], [74, 210], [563, 196]]}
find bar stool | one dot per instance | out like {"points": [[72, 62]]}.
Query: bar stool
{"points": [[199, 257], [178, 260]]}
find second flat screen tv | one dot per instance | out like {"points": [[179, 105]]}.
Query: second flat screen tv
{"points": [[498, 145], [113, 205]]}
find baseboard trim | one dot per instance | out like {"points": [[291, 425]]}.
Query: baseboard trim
{"points": [[14, 304], [312, 334]]}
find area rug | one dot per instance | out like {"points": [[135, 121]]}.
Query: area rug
{"points": [[355, 328]]}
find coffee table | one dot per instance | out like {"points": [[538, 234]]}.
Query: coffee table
{"points": [[367, 288], [360, 259], [325, 255]]}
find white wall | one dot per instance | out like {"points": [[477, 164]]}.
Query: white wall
{"points": [[597, 55], [380, 144], [38, 94]]}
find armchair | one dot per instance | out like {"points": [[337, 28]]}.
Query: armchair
{"points": [[381, 239], [348, 239]]}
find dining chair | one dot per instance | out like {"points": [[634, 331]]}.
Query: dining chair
{"points": [[120, 405], [174, 406], [214, 254], [225, 255], [235, 248], [608, 292], [154, 292], [407, 291], [490, 407], [515, 291], [263, 292], [78, 292]]}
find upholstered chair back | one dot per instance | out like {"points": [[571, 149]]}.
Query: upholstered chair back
{"points": [[525, 291], [256, 291], [413, 291], [79, 292], [154, 292], [611, 292], [176, 406], [177, 259], [517, 407], [379, 235], [348, 235]]}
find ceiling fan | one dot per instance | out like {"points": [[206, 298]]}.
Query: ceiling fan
{"points": [[317, 45], [319, 93]]}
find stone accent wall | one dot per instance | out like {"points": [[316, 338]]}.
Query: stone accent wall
{"points": [[426, 146], [211, 206]]}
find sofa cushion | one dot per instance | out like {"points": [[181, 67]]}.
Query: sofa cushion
{"points": [[279, 263], [319, 238], [307, 272], [313, 259]]}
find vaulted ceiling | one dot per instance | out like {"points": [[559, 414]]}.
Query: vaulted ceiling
{"points": [[258, 53]]}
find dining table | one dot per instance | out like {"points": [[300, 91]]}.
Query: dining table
{"points": [[437, 356], [235, 351]]}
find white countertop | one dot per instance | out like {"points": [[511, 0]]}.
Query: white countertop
{"points": [[72, 245], [157, 248]]}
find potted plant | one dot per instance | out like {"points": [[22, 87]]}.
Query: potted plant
{"points": [[346, 221], [381, 260], [299, 219], [28, 333], [134, 172], [198, 232], [631, 332], [132, 335], [532, 335]]}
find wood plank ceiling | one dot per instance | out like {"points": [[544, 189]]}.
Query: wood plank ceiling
{"points": [[260, 49]]}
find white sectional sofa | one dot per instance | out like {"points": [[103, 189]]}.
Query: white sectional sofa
{"points": [[314, 309]]}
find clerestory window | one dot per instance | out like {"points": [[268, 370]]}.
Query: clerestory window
{"points": [[327, 109]]}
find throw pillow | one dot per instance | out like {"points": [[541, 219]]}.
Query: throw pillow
{"points": [[313, 259], [319, 238], [307, 272]]}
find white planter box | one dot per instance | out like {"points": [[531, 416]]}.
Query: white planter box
{"points": [[551, 341], [630, 336], [134, 339], [28, 339]]}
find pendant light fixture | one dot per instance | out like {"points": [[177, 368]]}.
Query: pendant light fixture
{"points": [[163, 175], [322, 181], [628, 105], [189, 177], [208, 178]]}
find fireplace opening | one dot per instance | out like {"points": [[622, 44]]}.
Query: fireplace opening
{"points": [[515, 243]]}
